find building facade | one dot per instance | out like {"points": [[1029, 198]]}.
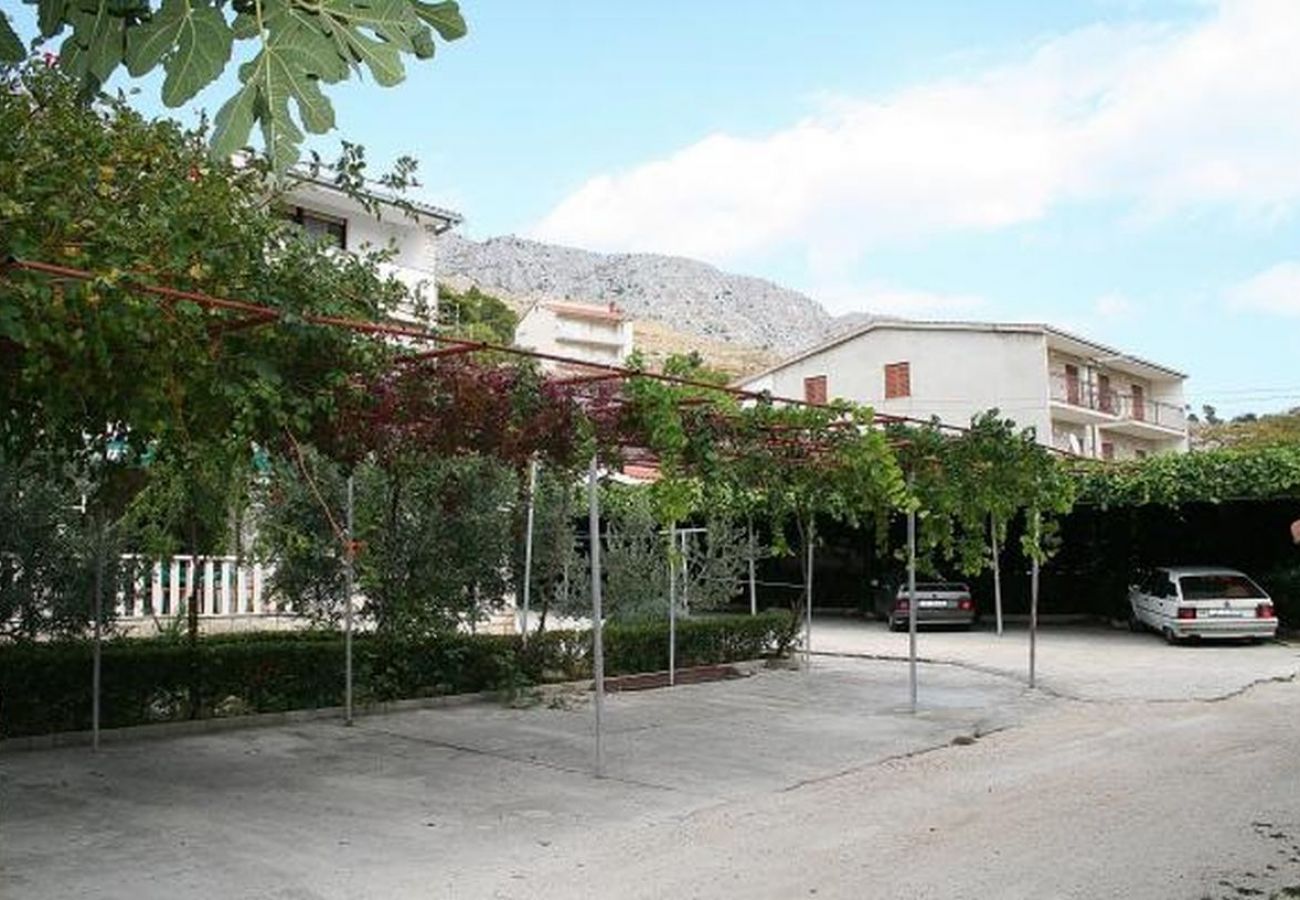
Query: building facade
{"points": [[1079, 396], [584, 332], [411, 229]]}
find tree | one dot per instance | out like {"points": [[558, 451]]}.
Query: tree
{"points": [[297, 47], [101, 376], [475, 316]]}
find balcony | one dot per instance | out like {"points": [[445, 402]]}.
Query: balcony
{"points": [[1143, 418], [1075, 400]]}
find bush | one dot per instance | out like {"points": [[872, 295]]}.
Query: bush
{"points": [[45, 688]]}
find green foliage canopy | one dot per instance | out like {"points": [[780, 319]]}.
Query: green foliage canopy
{"points": [[296, 46]]}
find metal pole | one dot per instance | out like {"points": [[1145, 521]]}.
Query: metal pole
{"points": [[672, 605], [1033, 601], [348, 577], [98, 661], [753, 584], [808, 589], [997, 573], [597, 614], [528, 547], [911, 607]]}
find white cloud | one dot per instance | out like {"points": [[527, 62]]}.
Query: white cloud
{"points": [[1275, 290], [1112, 306], [1161, 119]]}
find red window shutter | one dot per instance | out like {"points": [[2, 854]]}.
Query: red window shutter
{"points": [[814, 389], [898, 380]]}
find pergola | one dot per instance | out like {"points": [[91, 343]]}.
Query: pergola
{"points": [[597, 392]]}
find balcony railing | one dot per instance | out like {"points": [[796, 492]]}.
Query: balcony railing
{"points": [[1126, 407], [1153, 412], [1084, 395]]}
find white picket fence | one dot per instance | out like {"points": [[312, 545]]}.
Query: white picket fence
{"points": [[223, 588]]}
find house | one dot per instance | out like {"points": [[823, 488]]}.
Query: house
{"points": [[1080, 396], [323, 208], [583, 332]]}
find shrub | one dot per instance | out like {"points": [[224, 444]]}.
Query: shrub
{"points": [[45, 687]]}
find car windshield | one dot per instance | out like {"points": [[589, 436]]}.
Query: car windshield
{"points": [[1219, 587]]}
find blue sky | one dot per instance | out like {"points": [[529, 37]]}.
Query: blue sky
{"points": [[1126, 169]]}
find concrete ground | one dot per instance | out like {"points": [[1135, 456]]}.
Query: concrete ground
{"points": [[1086, 662], [781, 785]]}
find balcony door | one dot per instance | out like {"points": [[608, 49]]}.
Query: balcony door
{"points": [[1072, 385], [1139, 403], [1105, 399]]}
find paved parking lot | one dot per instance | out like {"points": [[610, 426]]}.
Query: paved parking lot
{"points": [[1087, 662], [780, 785]]}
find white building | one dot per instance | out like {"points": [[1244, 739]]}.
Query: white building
{"points": [[581, 331], [1078, 395], [410, 228]]}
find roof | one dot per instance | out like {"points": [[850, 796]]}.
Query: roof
{"points": [[386, 197], [1088, 346], [1179, 571], [609, 313]]}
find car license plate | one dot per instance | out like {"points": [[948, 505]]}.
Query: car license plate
{"points": [[932, 604], [1224, 613]]}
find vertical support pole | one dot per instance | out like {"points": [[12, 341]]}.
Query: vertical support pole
{"points": [[597, 616], [96, 677], [808, 591], [997, 572], [672, 604], [349, 554], [528, 549], [911, 607], [1033, 601], [753, 583]]}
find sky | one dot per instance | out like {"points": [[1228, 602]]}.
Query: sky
{"points": [[1126, 169]]}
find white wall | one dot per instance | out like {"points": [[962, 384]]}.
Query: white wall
{"points": [[955, 374], [542, 329], [415, 264]]}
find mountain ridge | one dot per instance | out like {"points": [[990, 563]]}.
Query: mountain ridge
{"points": [[683, 294]]}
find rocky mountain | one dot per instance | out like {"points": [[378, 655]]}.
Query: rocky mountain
{"points": [[686, 295]]}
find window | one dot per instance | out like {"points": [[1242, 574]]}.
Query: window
{"points": [[814, 389], [331, 229], [1107, 450], [898, 380], [1139, 403]]}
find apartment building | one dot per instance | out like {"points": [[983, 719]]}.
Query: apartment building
{"points": [[1079, 396], [410, 228], [584, 332]]}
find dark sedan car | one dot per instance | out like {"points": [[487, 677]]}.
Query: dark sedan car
{"points": [[937, 603]]}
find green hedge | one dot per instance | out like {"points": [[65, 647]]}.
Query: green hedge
{"points": [[45, 688]]}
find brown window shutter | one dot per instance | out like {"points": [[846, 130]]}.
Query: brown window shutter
{"points": [[898, 380], [1107, 450], [814, 389]]}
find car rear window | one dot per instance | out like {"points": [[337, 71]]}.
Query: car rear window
{"points": [[1219, 587], [942, 587]]}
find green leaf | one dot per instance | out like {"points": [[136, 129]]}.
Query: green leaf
{"points": [[97, 43], [194, 41], [50, 16], [202, 51], [234, 123], [11, 46], [383, 60], [444, 17]]}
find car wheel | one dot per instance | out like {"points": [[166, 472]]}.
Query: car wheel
{"points": [[1135, 624], [1170, 637]]}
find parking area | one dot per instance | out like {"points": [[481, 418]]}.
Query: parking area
{"points": [[1085, 662], [786, 783]]}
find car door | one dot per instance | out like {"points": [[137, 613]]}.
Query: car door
{"points": [[1141, 600], [1165, 599]]}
